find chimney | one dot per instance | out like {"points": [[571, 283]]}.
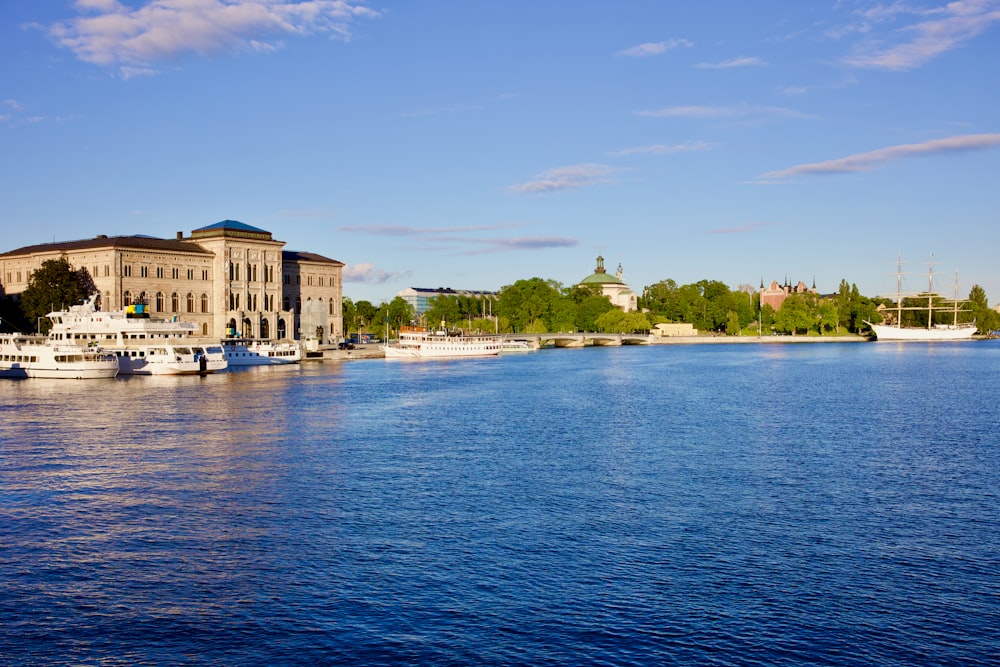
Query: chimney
{"points": [[180, 236]]}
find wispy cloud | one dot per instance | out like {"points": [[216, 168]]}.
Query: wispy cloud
{"points": [[464, 240], [872, 159], [722, 112], [368, 273], [403, 230], [567, 178], [935, 31], [434, 111], [742, 61], [654, 48], [741, 229], [111, 33], [664, 149]]}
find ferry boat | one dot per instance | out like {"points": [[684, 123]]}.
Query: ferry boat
{"points": [[260, 352], [418, 343], [895, 331], [32, 356], [143, 345], [515, 346]]}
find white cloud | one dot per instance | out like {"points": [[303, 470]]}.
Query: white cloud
{"points": [[654, 48], [368, 273], [737, 111], [135, 38], [742, 61], [872, 159], [664, 149], [567, 178], [935, 31]]}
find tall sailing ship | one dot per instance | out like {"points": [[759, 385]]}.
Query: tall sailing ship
{"points": [[894, 330]]}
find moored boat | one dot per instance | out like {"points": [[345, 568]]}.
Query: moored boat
{"points": [[515, 346], [143, 345], [894, 330], [418, 343], [260, 352], [30, 356]]}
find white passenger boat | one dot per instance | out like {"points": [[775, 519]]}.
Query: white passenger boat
{"points": [[418, 343], [893, 330], [143, 345], [514, 346], [27, 356], [260, 352]]}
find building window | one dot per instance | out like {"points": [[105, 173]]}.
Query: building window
{"points": [[204, 274], [288, 278], [174, 302], [127, 270], [204, 303], [107, 270], [159, 272], [190, 302], [175, 273], [331, 306], [127, 298], [159, 302], [143, 271], [298, 305], [298, 280], [190, 274], [286, 304]]}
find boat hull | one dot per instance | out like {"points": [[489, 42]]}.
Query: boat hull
{"points": [[427, 345], [938, 333]]}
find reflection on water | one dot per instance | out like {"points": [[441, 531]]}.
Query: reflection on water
{"points": [[826, 504]]}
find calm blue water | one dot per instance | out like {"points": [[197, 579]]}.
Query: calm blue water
{"points": [[704, 505]]}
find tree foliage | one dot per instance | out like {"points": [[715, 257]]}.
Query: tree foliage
{"points": [[54, 286]]}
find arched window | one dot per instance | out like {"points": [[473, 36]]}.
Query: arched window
{"points": [[175, 303], [281, 328], [159, 302], [231, 328], [204, 303], [190, 302], [204, 328], [265, 329], [331, 306], [127, 298], [247, 328]]}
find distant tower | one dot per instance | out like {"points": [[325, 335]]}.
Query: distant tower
{"points": [[618, 273]]}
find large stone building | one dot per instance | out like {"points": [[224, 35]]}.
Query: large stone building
{"points": [[774, 295], [613, 287], [229, 278]]}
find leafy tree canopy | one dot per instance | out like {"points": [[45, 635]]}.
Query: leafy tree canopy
{"points": [[54, 286]]}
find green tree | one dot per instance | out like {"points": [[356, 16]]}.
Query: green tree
{"points": [[987, 319], [531, 305], [54, 286], [795, 315]]}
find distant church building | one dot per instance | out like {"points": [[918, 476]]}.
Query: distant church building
{"points": [[775, 294], [620, 294]]}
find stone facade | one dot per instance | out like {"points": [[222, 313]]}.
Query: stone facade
{"points": [[228, 278], [775, 294]]}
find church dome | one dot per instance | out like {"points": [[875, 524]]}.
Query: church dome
{"points": [[600, 276]]}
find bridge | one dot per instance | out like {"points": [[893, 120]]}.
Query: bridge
{"points": [[582, 339]]}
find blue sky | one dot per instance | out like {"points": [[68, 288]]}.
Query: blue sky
{"points": [[470, 144]]}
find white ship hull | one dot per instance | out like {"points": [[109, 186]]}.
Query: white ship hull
{"points": [[940, 332], [170, 360], [425, 345], [248, 352], [36, 357]]}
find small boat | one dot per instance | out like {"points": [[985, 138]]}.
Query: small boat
{"points": [[32, 356], [514, 346], [260, 352], [143, 345], [893, 330], [418, 343]]}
